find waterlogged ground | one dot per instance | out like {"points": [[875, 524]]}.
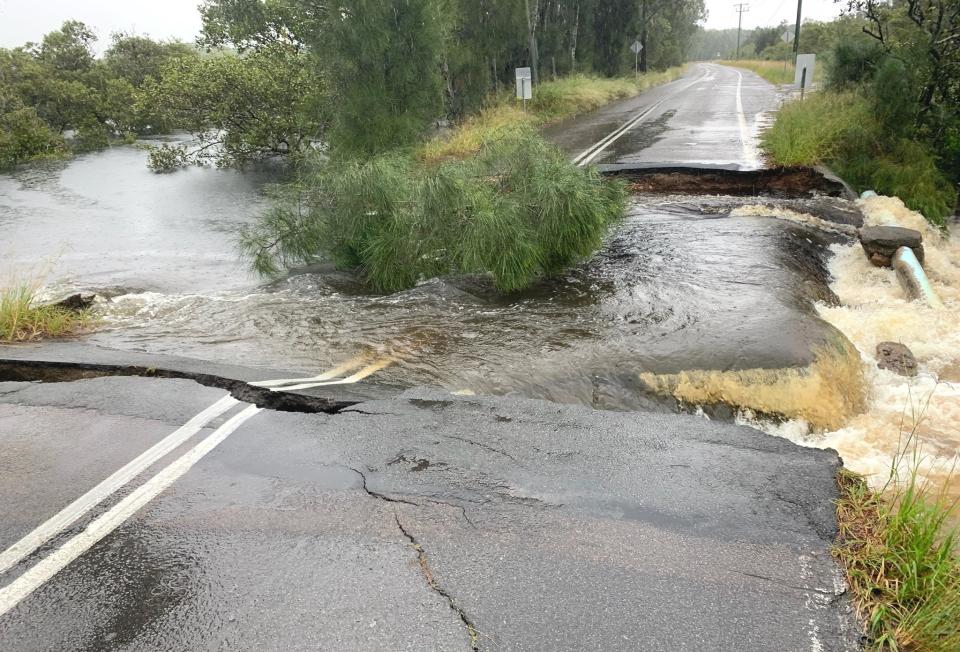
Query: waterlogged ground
{"points": [[701, 299]]}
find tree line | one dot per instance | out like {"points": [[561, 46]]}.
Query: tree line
{"points": [[58, 88], [271, 77]]}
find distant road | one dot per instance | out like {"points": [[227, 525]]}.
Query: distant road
{"points": [[712, 116]]}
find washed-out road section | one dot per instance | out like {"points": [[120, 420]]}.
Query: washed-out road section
{"points": [[421, 522]]}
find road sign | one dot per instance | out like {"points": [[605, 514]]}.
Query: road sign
{"points": [[787, 36], [524, 84], [637, 47]]}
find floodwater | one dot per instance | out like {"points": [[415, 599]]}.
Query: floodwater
{"points": [[693, 302]]}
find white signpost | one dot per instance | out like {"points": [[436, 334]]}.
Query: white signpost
{"points": [[804, 75], [636, 48], [524, 85]]}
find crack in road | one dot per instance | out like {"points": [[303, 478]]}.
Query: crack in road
{"points": [[422, 555], [481, 445], [390, 499], [436, 588]]}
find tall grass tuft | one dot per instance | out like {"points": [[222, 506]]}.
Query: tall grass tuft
{"points": [[902, 562], [516, 210], [21, 320]]}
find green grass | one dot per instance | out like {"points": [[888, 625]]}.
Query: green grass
{"points": [[773, 71], [841, 130], [553, 101], [902, 563], [517, 210], [21, 320], [817, 129]]}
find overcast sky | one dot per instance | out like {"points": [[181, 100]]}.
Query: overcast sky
{"points": [[767, 12], [29, 20]]}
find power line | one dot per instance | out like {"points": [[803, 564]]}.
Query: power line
{"points": [[741, 9]]}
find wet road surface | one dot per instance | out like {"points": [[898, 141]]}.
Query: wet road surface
{"points": [[423, 522], [710, 117]]}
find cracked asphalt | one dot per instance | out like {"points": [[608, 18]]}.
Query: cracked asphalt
{"points": [[420, 522]]}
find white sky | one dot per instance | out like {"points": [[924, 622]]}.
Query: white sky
{"points": [[29, 20], [765, 13]]}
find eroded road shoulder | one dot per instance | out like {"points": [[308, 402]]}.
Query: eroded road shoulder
{"points": [[421, 522]]}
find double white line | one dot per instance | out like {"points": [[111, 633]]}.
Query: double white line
{"points": [[42, 571], [597, 148]]}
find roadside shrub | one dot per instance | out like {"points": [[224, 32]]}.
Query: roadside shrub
{"points": [[853, 62], [893, 99], [517, 211]]}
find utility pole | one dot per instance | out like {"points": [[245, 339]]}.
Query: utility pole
{"points": [[741, 9], [796, 34]]}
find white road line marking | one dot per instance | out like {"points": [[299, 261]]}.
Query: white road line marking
{"points": [[360, 375], [594, 150], [615, 136], [62, 520], [350, 365], [106, 523], [745, 139], [43, 570]]}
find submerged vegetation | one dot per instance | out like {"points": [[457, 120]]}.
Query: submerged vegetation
{"points": [[517, 210], [23, 320], [902, 562]]}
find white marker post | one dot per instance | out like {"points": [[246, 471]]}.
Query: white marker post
{"points": [[524, 86], [805, 65], [636, 48]]}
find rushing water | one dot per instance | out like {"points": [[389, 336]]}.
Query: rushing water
{"points": [[704, 300]]}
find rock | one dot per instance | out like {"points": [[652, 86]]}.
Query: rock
{"points": [[77, 302], [880, 243], [896, 358]]}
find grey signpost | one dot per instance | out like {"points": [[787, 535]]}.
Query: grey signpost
{"points": [[636, 48], [524, 85]]}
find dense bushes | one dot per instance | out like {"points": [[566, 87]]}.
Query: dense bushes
{"points": [[517, 211], [866, 144]]}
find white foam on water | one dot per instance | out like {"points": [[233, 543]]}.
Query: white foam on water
{"points": [[901, 411]]}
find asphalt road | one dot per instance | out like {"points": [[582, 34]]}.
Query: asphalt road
{"points": [[421, 522], [710, 117], [161, 514]]}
